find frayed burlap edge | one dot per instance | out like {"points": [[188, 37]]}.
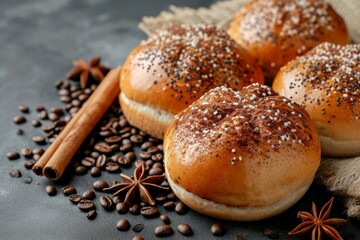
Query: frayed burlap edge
{"points": [[341, 176]]}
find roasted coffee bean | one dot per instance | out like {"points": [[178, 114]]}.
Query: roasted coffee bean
{"points": [[101, 161], [160, 147], [83, 97], [138, 227], [158, 165], [15, 173], [40, 108], [99, 185], [145, 155], [130, 155], [76, 103], [86, 205], [156, 171], [121, 208], [58, 84], [26, 152], [170, 205], [218, 229], [58, 111], [112, 167], [149, 163], [65, 99], [13, 155], [163, 231], [60, 123], [114, 158], [94, 154], [153, 150], [53, 117], [160, 198], [38, 139], [136, 139], [103, 147], [113, 139], [19, 131], [185, 229], [68, 190], [64, 92], [76, 93], [80, 170], [36, 157], [75, 198], [139, 162], [126, 135], [239, 237], [29, 164], [106, 202], [149, 212], [157, 157], [36, 123], [23, 108], [125, 147], [38, 150], [89, 195], [19, 119], [124, 161], [48, 127], [271, 233], [50, 190], [137, 237], [171, 196], [123, 225], [43, 115], [95, 172], [27, 180], [165, 184], [135, 209], [146, 145], [165, 219], [68, 106], [88, 162], [180, 208], [91, 214]]}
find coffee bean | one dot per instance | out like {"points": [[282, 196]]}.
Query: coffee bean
{"points": [[88, 162], [136, 139], [181, 208], [106, 202], [138, 227], [89, 195], [75, 198], [113, 139], [185, 229], [19, 131], [48, 127], [91, 214], [60, 123], [157, 157], [160, 147], [103, 147], [50, 190], [130, 155], [38, 150], [218, 229], [13, 155], [29, 164], [83, 97], [121, 208], [26, 152], [36, 157], [160, 198], [139, 162], [86, 205], [153, 150], [40, 108], [95, 172], [137, 237], [135, 209], [125, 147], [149, 163], [145, 155], [149, 212], [80, 170], [158, 165], [68, 190], [43, 115], [19, 119], [163, 231], [117, 199], [271, 233], [64, 92], [101, 161], [170, 205], [112, 167], [146, 145], [155, 171], [27, 180], [99, 185], [239, 237], [38, 139], [58, 111], [15, 173], [123, 225], [53, 117], [165, 219], [171, 196], [23, 108], [124, 161]]}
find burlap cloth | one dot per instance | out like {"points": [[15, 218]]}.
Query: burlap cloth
{"points": [[341, 176]]}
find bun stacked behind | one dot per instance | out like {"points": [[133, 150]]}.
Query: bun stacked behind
{"points": [[174, 67], [245, 155], [326, 81], [276, 31]]}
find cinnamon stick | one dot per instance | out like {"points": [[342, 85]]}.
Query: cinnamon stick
{"points": [[54, 162]]}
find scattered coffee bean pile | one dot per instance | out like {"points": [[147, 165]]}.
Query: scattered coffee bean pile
{"points": [[109, 148]]}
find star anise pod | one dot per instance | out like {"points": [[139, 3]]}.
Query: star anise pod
{"points": [[318, 224], [138, 185], [85, 71]]}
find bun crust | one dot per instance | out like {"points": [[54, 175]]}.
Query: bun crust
{"points": [[326, 81], [277, 31], [251, 150], [178, 64]]}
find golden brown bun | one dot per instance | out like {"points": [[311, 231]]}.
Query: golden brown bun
{"points": [[326, 81], [276, 31], [178, 64], [244, 155]]}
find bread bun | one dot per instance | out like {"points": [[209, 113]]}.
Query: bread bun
{"points": [[326, 81], [276, 31], [174, 67], [244, 156]]}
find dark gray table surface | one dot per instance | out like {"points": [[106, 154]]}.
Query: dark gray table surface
{"points": [[38, 41]]}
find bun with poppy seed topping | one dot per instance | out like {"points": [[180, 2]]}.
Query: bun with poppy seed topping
{"points": [[326, 82], [174, 67], [277, 31], [243, 156]]}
